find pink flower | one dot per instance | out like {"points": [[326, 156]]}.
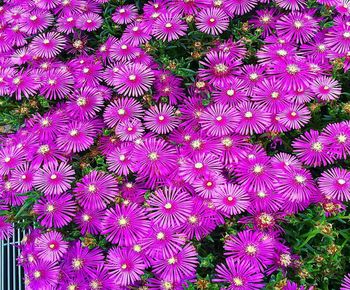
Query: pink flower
{"points": [[126, 266], [160, 119], [335, 183], [89, 22], [177, 266], [55, 210], [168, 27], [124, 14], [231, 199], [51, 246], [311, 150], [121, 110], [212, 21], [133, 79], [219, 120], [47, 45], [54, 179], [125, 225], [96, 190], [252, 119], [169, 207]]}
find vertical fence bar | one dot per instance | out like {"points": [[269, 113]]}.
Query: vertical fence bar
{"points": [[8, 263], [14, 250], [2, 264], [19, 239]]}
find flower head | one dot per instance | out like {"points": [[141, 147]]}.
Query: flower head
{"points": [[240, 275], [212, 21], [125, 225], [170, 207], [125, 265], [47, 45], [51, 246], [250, 247], [96, 190], [54, 179]]}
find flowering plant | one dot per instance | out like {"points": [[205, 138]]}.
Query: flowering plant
{"points": [[187, 144]]}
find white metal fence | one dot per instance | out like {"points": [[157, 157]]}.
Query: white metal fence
{"points": [[11, 275]]}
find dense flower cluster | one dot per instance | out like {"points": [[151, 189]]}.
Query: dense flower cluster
{"points": [[176, 166]]}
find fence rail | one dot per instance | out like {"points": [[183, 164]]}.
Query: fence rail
{"points": [[11, 275]]}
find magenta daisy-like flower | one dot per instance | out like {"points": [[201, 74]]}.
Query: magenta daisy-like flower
{"points": [[137, 33], [89, 221], [168, 27], [125, 225], [120, 160], [55, 210], [36, 21], [83, 261], [96, 190], [250, 247], [129, 130], [269, 94], [297, 27], [252, 119], [338, 135], [54, 179], [133, 79], [43, 275], [254, 172], [292, 4], [155, 158], [345, 285], [56, 84], [295, 184], [266, 199], [125, 266], [231, 199], [45, 153], [89, 21], [10, 158], [67, 23], [265, 19], [77, 136], [177, 266], [23, 83], [240, 7], [22, 178], [160, 119], [218, 69], [47, 45], [122, 110], [219, 120], [162, 241], [101, 278], [199, 166], [293, 74], [240, 275], [85, 103], [326, 88], [207, 186], [311, 150], [51, 246], [124, 14], [335, 183], [338, 38], [6, 229], [202, 220], [169, 207], [231, 93], [212, 21], [294, 116]]}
